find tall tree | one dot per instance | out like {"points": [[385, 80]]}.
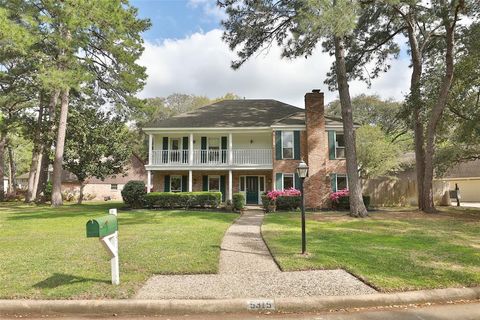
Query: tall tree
{"points": [[95, 145], [431, 31], [92, 46], [299, 26]]}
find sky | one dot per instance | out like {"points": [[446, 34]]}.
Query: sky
{"points": [[184, 53]]}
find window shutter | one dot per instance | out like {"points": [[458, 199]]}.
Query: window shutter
{"points": [[185, 143], [278, 145], [297, 182], [205, 183], [224, 149], [166, 184], [296, 145], [184, 183], [203, 146], [333, 182], [278, 181], [222, 187], [331, 144], [165, 150]]}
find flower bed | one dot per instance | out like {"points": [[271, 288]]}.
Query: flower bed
{"points": [[341, 200], [289, 199]]}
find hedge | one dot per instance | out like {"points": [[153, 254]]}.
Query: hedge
{"points": [[183, 199], [281, 203], [344, 203]]}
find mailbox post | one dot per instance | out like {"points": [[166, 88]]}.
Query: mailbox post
{"points": [[106, 229]]}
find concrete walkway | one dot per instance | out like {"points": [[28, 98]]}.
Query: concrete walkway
{"points": [[248, 270]]}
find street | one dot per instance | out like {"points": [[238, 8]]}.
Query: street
{"points": [[470, 311]]}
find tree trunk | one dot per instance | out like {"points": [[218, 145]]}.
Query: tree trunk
{"points": [[357, 207], [12, 181], [80, 196], [435, 118], [59, 148], [30, 196], [3, 141], [415, 101], [43, 174]]}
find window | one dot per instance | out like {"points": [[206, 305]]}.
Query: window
{"points": [[214, 183], [114, 186], [287, 144], [288, 181], [342, 182], [262, 184], [339, 146], [176, 183], [242, 184]]}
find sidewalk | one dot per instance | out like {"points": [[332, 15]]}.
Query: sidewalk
{"points": [[248, 270]]}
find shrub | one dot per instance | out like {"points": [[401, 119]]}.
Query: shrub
{"points": [[133, 193], [288, 202], [341, 200], [289, 199], [183, 199], [238, 201], [48, 191]]}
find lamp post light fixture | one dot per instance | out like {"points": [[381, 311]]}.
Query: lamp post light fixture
{"points": [[302, 172]]}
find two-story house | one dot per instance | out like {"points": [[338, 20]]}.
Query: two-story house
{"points": [[248, 146]]}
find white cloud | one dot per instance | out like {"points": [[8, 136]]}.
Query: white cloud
{"points": [[200, 64]]}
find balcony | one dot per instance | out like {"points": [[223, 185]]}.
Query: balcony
{"points": [[209, 158]]}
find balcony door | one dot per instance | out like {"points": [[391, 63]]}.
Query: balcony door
{"points": [[175, 152]]}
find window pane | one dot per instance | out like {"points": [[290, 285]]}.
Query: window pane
{"points": [[262, 184], [340, 152], [176, 184], [288, 153], [242, 183], [287, 139], [213, 183], [340, 141], [287, 181], [341, 182], [113, 186]]}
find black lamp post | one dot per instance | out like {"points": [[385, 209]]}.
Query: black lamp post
{"points": [[302, 172]]}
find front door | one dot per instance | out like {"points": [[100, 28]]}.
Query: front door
{"points": [[252, 190]]}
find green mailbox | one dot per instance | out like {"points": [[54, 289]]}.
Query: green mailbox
{"points": [[102, 227]]}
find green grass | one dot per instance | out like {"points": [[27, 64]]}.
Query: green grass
{"points": [[393, 251], [44, 252]]}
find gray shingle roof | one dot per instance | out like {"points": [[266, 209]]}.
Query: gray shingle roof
{"points": [[231, 113]]}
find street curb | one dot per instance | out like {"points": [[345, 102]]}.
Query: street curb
{"points": [[297, 304]]}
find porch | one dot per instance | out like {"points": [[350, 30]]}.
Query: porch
{"points": [[251, 183]]}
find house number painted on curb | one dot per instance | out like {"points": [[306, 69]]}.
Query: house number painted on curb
{"points": [[263, 304]]}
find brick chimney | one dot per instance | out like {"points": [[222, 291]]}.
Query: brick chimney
{"points": [[316, 185]]}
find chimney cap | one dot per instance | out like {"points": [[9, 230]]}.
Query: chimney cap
{"points": [[316, 90]]}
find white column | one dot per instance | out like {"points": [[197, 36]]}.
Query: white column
{"points": [[190, 149], [150, 148], [190, 181], [230, 149], [230, 185], [149, 180]]}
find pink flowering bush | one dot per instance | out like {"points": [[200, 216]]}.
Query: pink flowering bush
{"points": [[335, 196], [288, 199], [292, 192]]}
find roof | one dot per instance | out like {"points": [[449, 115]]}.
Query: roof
{"points": [[232, 113], [469, 169]]}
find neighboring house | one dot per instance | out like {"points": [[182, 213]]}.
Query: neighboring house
{"points": [[96, 189], [467, 176], [248, 146], [5, 184]]}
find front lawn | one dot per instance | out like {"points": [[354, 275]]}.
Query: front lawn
{"points": [[44, 252], [393, 251]]}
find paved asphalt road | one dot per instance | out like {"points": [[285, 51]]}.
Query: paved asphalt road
{"points": [[469, 311]]}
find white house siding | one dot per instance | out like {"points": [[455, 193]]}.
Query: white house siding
{"points": [[5, 184]]}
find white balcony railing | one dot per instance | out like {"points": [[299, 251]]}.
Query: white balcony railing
{"points": [[239, 157]]}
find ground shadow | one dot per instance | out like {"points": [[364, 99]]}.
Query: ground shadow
{"points": [[60, 279]]}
